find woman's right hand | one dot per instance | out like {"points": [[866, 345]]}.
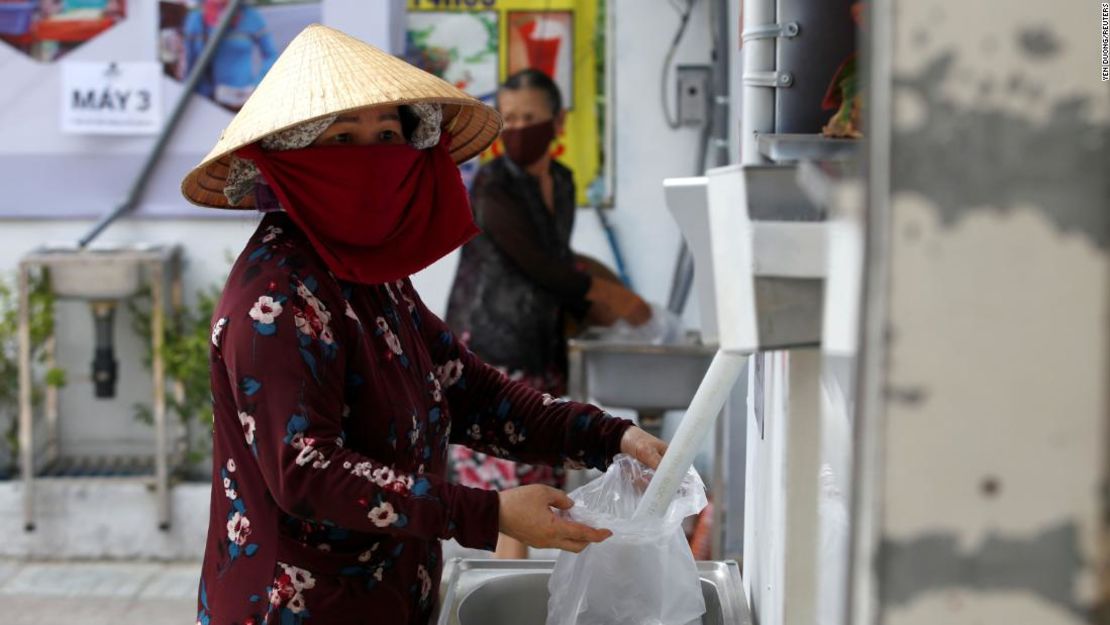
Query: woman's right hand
{"points": [[526, 515], [613, 301]]}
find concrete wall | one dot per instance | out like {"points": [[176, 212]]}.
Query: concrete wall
{"points": [[986, 366], [646, 152]]}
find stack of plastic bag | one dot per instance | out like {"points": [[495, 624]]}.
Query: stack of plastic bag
{"points": [[644, 573]]}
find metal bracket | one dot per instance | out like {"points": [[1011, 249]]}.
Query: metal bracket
{"points": [[769, 79], [788, 30]]}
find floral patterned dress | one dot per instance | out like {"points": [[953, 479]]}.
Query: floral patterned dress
{"points": [[334, 406]]}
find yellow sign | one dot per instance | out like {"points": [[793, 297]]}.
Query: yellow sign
{"points": [[477, 44]]}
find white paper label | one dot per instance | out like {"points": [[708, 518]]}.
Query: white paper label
{"points": [[112, 98]]}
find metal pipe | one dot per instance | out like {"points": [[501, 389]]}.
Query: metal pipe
{"points": [[158, 373], [614, 245], [872, 373], [139, 185], [682, 280], [26, 416], [757, 113], [105, 367], [610, 149], [719, 17]]}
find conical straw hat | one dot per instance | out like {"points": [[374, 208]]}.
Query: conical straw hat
{"points": [[325, 72]]}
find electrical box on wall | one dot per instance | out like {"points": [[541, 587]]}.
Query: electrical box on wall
{"points": [[693, 94]]}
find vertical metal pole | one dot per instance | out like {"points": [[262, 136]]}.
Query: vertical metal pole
{"points": [[720, 488], [157, 323], [730, 473], [803, 452], [871, 373], [50, 352], [610, 100], [177, 303], [722, 23], [576, 378], [758, 109], [26, 418]]}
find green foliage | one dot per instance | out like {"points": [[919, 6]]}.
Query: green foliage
{"points": [[185, 351], [41, 301]]}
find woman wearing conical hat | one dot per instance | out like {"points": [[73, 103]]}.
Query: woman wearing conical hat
{"points": [[336, 391]]}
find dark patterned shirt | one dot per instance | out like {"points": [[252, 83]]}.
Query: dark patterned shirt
{"points": [[334, 406], [517, 279]]}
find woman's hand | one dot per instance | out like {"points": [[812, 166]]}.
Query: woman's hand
{"points": [[613, 301], [643, 447], [632, 308], [526, 515]]}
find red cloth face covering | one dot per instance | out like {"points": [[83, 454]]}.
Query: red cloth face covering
{"points": [[527, 145], [374, 213]]}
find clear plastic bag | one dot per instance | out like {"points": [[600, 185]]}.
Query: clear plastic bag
{"points": [[664, 328], [644, 573]]}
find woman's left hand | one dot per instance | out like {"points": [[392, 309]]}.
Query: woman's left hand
{"points": [[643, 447]]}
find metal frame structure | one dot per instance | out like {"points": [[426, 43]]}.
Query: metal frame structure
{"points": [[163, 268], [787, 46]]}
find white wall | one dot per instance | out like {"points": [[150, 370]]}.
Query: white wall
{"points": [[90, 425], [647, 150]]}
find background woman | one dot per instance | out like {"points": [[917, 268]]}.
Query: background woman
{"points": [[517, 280]]}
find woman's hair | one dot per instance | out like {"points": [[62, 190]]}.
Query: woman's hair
{"points": [[409, 121], [535, 79]]}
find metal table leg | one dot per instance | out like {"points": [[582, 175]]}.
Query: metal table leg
{"points": [[26, 417], [53, 448], [157, 323], [179, 454], [576, 375]]}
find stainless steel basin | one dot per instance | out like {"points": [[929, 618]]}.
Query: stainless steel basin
{"points": [[647, 378], [94, 274], [492, 592]]}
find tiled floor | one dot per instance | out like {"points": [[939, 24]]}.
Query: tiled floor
{"points": [[116, 593], [98, 593]]}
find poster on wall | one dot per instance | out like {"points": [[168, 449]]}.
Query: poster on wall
{"points": [[462, 48], [477, 44], [543, 40], [111, 98], [46, 30], [257, 36]]}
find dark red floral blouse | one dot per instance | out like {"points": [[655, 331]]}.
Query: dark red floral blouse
{"points": [[334, 406]]}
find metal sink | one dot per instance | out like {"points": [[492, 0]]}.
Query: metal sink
{"points": [[646, 378], [94, 274], [492, 592]]}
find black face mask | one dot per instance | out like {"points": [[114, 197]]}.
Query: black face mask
{"points": [[527, 145]]}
